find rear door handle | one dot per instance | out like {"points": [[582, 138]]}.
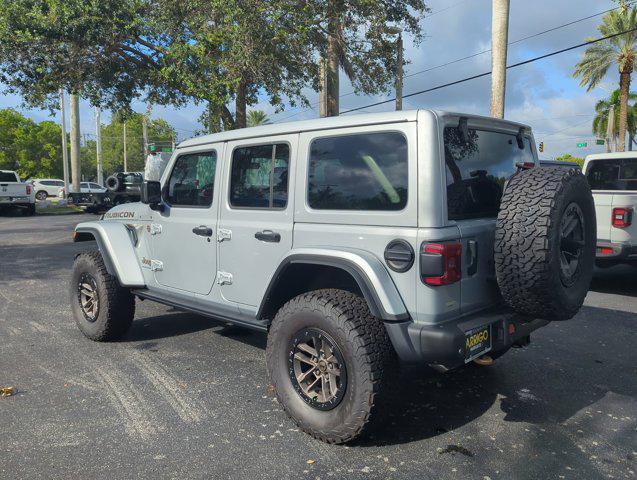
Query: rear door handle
{"points": [[268, 236], [203, 231]]}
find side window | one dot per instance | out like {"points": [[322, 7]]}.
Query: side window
{"points": [[83, 185], [46, 183], [191, 182], [95, 185], [358, 172], [58, 183], [259, 177]]}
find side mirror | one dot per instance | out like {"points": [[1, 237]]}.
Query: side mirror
{"points": [[151, 194]]}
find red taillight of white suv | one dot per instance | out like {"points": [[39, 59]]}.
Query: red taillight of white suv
{"points": [[622, 217], [440, 263]]}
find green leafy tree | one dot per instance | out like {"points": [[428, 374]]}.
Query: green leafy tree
{"points": [[567, 157], [159, 130], [619, 50], [359, 37], [257, 117], [602, 111], [33, 149]]}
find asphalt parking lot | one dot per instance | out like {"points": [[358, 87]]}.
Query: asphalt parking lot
{"points": [[185, 397]]}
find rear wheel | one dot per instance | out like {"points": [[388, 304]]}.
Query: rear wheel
{"points": [[41, 195], [327, 357], [103, 310]]}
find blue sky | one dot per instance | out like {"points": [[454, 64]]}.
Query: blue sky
{"points": [[542, 94]]}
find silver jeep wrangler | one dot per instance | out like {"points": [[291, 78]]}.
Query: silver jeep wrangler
{"points": [[353, 242]]}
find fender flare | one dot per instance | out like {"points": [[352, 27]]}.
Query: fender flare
{"points": [[115, 245], [368, 271]]}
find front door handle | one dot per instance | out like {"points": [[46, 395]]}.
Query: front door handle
{"points": [[203, 231], [268, 236]]}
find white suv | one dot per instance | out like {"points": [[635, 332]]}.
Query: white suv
{"points": [[47, 187]]}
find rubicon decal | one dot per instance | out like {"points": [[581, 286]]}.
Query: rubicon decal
{"points": [[119, 215]]}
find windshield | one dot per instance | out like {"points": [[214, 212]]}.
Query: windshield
{"points": [[613, 174], [477, 168], [7, 177]]}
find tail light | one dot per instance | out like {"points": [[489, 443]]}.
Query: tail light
{"points": [[440, 263], [28, 188], [622, 217]]}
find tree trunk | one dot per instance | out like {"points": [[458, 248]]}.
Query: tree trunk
{"points": [[322, 89], [240, 107], [624, 86], [499, 41], [332, 63], [75, 141]]}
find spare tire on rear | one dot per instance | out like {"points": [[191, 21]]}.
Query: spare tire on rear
{"points": [[114, 183], [545, 242]]}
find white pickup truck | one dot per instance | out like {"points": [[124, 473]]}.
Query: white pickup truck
{"points": [[613, 180], [13, 192]]}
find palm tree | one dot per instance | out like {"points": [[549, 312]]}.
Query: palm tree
{"points": [[598, 58], [600, 122], [257, 117], [499, 40]]}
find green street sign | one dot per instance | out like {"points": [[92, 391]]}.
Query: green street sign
{"points": [[600, 141], [582, 144]]}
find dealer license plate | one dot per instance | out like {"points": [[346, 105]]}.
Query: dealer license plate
{"points": [[477, 342]]}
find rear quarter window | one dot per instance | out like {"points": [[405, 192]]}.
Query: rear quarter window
{"points": [[358, 172], [477, 168]]}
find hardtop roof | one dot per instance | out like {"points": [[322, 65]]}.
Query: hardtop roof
{"points": [[328, 123]]}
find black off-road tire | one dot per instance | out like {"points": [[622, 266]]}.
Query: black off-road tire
{"points": [[30, 210], [114, 183], [116, 304], [529, 243], [366, 350]]}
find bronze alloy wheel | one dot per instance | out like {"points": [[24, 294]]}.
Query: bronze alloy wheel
{"points": [[317, 369], [88, 297]]}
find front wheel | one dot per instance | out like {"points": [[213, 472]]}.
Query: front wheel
{"points": [[327, 357], [41, 195], [103, 310]]}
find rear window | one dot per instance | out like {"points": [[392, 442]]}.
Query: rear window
{"points": [[7, 177], [613, 174], [477, 168], [358, 172]]}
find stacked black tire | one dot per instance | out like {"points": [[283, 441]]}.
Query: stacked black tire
{"points": [[545, 242]]}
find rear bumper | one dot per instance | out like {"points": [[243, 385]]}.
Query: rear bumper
{"points": [[442, 346], [616, 251], [20, 201]]}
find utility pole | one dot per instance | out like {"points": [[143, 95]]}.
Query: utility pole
{"points": [[125, 157], [65, 153], [98, 136], [145, 135], [499, 41], [399, 72], [75, 141]]}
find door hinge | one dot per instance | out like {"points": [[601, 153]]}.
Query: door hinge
{"points": [[156, 266], [224, 234], [154, 228], [224, 278]]}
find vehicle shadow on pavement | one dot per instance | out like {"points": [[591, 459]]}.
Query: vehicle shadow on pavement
{"points": [[618, 280], [538, 385], [176, 323]]}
